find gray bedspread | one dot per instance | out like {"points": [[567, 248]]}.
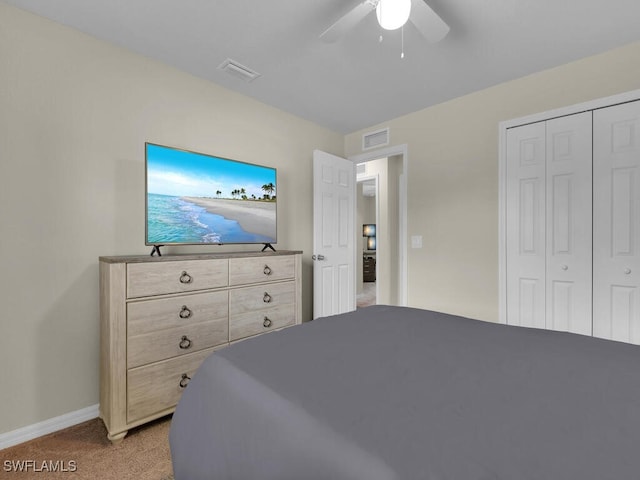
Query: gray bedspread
{"points": [[390, 393]]}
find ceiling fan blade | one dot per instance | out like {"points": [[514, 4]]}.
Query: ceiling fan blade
{"points": [[347, 22], [428, 22]]}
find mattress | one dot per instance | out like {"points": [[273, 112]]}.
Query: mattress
{"points": [[390, 393]]}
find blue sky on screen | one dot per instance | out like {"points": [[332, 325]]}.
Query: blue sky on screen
{"points": [[180, 173]]}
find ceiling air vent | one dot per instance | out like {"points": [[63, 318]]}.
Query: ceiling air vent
{"points": [[238, 70], [375, 139]]}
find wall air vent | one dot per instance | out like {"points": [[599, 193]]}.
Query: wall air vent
{"points": [[238, 70], [379, 138]]}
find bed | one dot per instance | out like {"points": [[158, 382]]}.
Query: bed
{"points": [[396, 393]]}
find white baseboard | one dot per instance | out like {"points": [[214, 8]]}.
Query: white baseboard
{"points": [[36, 430]]}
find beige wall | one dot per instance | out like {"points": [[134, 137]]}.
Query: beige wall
{"points": [[453, 176], [74, 115], [394, 171]]}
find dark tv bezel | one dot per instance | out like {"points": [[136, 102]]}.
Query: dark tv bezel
{"points": [[146, 198]]}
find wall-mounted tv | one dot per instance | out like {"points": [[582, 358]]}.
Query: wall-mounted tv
{"points": [[193, 198]]}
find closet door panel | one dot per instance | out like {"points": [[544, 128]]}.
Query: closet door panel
{"points": [[568, 223], [525, 224], [616, 217]]}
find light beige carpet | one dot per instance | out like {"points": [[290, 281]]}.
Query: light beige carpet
{"points": [[367, 296], [83, 452]]}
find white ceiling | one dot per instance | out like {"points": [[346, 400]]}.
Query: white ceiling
{"points": [[356, 82]]}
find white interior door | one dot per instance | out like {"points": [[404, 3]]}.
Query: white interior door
{"points": [[616, 222], [525, 224], [568, 224], [334, 277]]}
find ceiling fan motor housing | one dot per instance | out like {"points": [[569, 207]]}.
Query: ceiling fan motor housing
{"points": [[393, 14]]}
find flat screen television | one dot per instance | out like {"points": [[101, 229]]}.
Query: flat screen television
{"points": [[193, 198]]}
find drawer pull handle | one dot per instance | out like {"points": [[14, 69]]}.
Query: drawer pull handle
{"points": [[267, 270], [267, 322], [186, 278], [185, 343], [184, 381], [266, 298], [185, 312]]}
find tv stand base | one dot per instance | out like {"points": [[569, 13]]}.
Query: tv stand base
{"points": [[267, 245], [156, 249]]}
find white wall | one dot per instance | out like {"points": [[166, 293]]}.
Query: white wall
{"points": [[74, 115], [453, 175]]}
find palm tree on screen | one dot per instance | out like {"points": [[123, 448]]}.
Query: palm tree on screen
{"points": [[269, 189]]}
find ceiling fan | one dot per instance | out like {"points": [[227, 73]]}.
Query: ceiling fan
{"points": [[392, 14]]}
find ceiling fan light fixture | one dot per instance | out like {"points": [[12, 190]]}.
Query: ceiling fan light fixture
{"points": [[392, 14]]}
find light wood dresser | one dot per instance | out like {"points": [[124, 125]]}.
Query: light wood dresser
{"points": [[160, 317]]}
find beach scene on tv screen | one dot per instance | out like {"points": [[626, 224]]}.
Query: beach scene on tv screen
{"points": [[197, 198]]}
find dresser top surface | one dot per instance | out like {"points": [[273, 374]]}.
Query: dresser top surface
{"points": [[193, 256]]}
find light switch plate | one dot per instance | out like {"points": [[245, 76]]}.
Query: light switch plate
{"points": [[416, 241]]}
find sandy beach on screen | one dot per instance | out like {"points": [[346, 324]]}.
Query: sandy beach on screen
{"points": [[253, 216]]}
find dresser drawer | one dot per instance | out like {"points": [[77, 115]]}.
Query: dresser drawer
{"points": [[173, 342], [242, 300], [260, 321], [157, 387], [148, 316], [147, 279], [243, 271]]}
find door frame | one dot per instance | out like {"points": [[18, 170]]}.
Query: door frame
{"points": [[393, 151], [502, 174]]}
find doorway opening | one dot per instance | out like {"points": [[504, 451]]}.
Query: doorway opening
{"points": [[367, 220], [381, 201]]}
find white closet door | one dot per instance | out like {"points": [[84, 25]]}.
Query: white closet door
{"points": [[525, 225], [616, 222], [568, 224]]}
